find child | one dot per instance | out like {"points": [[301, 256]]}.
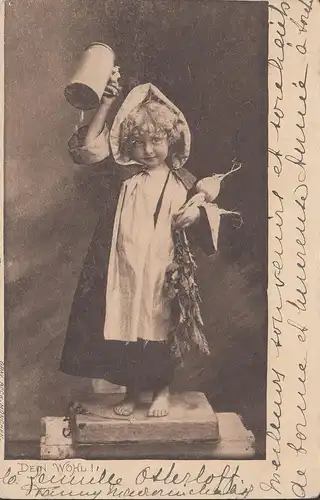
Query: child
{"points": [[121, 315]]}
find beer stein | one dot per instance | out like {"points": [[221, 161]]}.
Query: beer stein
{"points": [[85, 89]]}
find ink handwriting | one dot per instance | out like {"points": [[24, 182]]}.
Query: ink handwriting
{"points": [[160, 482], [275, 434], [299, 302], [297, 157], [298, 445], [276, 113], [203, 483], [277, 267], [288, 229], [303, 20]]}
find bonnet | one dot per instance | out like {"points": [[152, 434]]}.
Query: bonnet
{"points": [[138, 96]]}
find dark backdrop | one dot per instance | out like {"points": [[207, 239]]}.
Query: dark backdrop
{"points": [[210, 58]]}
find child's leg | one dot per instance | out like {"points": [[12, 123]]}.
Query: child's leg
{"points": [[129, 402], [122, 362], [160, 404], [164, 376], [149, 366]]}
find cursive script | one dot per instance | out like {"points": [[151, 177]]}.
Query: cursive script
{"points": [[274, 433], [277, 268], [160, 482], [297, 157], [278, 15], [300, 300], [200, 483], [289, 88], [298, 445]]}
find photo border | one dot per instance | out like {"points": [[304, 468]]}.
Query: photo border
{"points": [[287, 472]]}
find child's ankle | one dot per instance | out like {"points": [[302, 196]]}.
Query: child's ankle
{"points": [[132, 392], [161, 390]]}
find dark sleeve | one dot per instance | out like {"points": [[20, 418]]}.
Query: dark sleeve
{"points": [[90, 154]]}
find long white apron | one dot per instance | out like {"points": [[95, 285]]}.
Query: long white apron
{"points": [[136, 306]]}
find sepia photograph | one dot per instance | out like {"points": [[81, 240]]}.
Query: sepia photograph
{"points": [[136, 229]]}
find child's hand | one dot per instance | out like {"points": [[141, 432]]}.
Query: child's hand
{"points": [[113, 87], [187, 217]]}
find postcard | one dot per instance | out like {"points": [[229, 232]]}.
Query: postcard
{"points": [[160, 253]]}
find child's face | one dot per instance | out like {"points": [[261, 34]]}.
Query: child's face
{"points": [[150, 149]]}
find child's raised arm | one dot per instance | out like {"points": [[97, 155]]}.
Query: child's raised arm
{"points": [[98, 122], [90, 144]]}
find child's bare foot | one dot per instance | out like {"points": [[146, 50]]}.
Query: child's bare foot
{"points": [[160, 405], [127, 405]]}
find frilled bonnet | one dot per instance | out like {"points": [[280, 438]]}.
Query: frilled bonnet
{"points": [[135, 99]]}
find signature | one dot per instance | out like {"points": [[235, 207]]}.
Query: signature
{"points": [[203, 482], [160, 482]]}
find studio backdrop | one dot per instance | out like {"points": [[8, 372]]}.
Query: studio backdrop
{"points": [[210, 59]]}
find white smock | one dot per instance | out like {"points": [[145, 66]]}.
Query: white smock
{"points": [[136, 305]]}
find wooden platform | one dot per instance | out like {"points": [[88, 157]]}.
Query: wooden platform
{"points": [[191, 431], [191, 418]]}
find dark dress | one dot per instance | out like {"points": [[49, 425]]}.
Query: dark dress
{"points": [[86, 352]]}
